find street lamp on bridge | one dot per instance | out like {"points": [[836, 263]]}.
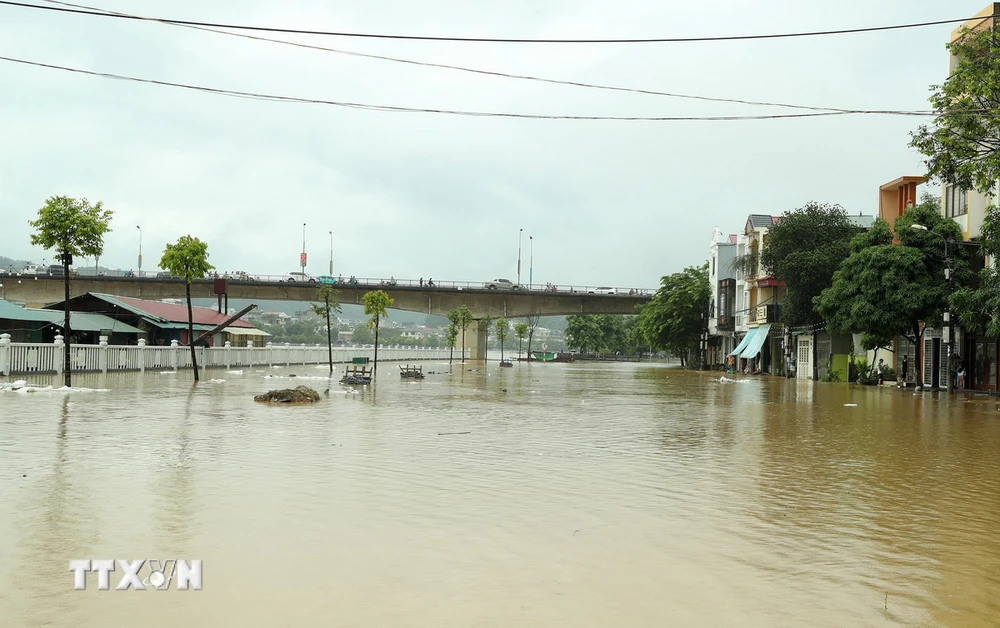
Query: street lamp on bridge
{"points": [[331, 254], [302, 258], [531, 260], [140, 249], [519, 233]]}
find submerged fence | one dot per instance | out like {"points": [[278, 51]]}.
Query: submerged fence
{"points": [[23, 358]]}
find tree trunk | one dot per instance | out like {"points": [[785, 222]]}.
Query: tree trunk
{"points": [[463, 345], [530, 336], [329, 336], [375, 366], [194, 355], [486, 345], [918, 361], [501, 349], [67, 377], [519, 346]]}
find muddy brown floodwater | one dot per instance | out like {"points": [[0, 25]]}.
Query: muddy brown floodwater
{"points": [[585, 495]]}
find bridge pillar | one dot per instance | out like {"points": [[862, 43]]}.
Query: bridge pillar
{"points": [[475, 340]]}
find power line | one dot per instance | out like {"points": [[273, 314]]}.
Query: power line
{"points": [[503, 40], [391, 108], [473, 70]]}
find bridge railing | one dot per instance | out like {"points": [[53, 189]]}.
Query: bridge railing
{"points": [[372, 283], [27, 358]]}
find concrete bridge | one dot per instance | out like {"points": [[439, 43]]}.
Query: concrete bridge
{"points": [[43, 290]]}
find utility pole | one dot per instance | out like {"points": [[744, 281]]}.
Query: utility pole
{"points": [[331, 254], [140, 250], [531, 260]]}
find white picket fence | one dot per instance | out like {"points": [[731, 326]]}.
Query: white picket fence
{"points": [[21, 358]]}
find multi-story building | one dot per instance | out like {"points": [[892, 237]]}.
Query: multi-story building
{"points": [[722, 300]]}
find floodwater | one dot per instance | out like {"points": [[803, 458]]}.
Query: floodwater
{"points": [[585, 495]]}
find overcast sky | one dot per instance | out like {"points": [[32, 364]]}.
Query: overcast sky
{"points": [[420, 194]]}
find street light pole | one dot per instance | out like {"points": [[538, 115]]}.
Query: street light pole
{"points": [[302, 258], [140, 249], [519, 232], [531, 260], [331, 254]]}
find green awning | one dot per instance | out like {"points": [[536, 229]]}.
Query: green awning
{"points": [[88, 321], [753, 347], [743, 343]]}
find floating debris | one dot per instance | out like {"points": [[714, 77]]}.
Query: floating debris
{"points": [[411, 372], [299, 394]]}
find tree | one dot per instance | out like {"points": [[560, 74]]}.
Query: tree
{"points": [[521, 331], [803, 250], [583, 332], [977, 306], [328, 296], [362, 335], [376, 304], [485, 323], [452, 336], [674, 319], [962, 146], [883, 290], [71, 227], [532, 318], [187, 259], [502, 328], [464, 319]]}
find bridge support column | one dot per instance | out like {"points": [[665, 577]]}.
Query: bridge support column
{"points": [[475, 340]]}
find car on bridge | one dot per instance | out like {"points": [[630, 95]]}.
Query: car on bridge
{"points": [[602, 290], [501, 284], [299, 276]]}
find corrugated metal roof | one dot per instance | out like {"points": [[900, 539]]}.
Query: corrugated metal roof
{"points": [[10, 311], [762, 220], [865, 222], [245, 331], [88, 321], [169, 312]]}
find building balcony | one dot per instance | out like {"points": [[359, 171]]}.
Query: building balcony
{"points": [[764, 314], [727, 322]]}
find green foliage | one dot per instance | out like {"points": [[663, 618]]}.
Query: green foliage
{"points": [[962, 145], [363, 335], [68, 225], [187, 259], [329, 302], [377, 303], [803, 250], [862, 370], [502, 330], [831, 375], [978, 306], [676, 317], [603, 333], [884, 290], [521, 331]]}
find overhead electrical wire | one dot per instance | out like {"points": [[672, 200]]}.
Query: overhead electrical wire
{"points": [[505, 40], [474, 70], [374, 107], [392, 108]]}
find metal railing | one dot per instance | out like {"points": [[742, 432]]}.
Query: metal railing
{"points": [[27, 358], [347, 283]]}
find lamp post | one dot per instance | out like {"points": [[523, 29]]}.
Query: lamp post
{"points": [[531, 260], [302, 258], [140, 250], [519, 232], [331, 254], [946, 329]]}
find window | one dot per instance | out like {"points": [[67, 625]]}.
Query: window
{"points": [[956, 201]]}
